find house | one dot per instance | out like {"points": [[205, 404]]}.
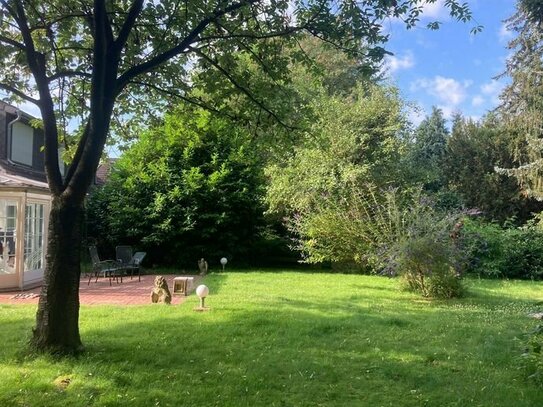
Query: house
{"points": [[103, 171], [24, 201]]}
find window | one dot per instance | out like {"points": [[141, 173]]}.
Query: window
{"points": [[34, 236], [22, 143], [8, 219]]}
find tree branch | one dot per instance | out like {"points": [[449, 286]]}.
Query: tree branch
{"points": [[287, 31], [241, 88], [133, 13], [101, 21], [18, 93], [196, 102], [47, 24], [12, 42], [78, 154], [68, 74], [36, 63], [147, 66]]}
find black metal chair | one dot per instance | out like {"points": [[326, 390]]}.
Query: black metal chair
{"points": [[135, 264], [123, 254], [109, 268]]}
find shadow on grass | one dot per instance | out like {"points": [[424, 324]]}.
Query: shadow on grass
{"points": [[288, 356], [374, 348]]}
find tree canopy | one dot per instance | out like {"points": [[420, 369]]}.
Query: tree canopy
{"points": [[522, 98]]}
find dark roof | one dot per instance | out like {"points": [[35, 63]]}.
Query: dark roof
{"points": [[6, 107], [102, 173]]}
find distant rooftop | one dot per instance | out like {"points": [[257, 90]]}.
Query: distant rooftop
{"points": [[102, 173]]}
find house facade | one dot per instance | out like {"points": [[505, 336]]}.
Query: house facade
{"points": [[25, 201]]}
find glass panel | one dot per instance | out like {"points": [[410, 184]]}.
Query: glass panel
{"points": [[8, 222], [33, 242], [22, 140]]}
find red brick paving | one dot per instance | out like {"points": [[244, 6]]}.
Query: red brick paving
{"points": [[129, 292]]}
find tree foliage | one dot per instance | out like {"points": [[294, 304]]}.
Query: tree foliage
{"points": [[428, 150], [473, 153], [353, 140], [522, 99], [188, 189]]}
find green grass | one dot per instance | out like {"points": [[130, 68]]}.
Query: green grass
{"points": [[286, 339]]}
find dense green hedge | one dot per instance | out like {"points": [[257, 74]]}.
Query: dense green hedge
{"points": [[503, 252]]}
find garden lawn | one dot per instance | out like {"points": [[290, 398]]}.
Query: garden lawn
{"points": [[286, 339]]}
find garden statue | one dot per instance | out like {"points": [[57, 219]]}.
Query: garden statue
{"points": [[161, 292], [202, 265]]}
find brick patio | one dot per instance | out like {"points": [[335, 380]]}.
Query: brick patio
{"points": [[130, 292]]}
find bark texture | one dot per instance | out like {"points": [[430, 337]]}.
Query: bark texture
{"points": [[57, 318]]}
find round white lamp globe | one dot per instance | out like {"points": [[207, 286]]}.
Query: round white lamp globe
{"points": [[224, 260], [202, 291]]}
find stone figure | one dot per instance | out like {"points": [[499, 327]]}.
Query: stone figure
{"points": [[202, 265], [161, 292]]}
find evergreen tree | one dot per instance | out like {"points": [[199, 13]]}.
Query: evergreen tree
{"points": [[428, 151], [522, 99], [474, 149]]}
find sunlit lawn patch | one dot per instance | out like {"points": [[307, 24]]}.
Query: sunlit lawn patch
{"points": [[286, 339]]}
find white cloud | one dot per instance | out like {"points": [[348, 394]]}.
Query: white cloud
{"points": [[435, 10], [448, 111], [395, 63], [448, 91], [477, 100], [492, 90], [416, 115]]}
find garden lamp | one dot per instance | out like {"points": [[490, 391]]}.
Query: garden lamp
{"points": [[202, 291], [224, 260]]}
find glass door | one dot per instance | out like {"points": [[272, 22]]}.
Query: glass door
{"points": [[34, 237]]}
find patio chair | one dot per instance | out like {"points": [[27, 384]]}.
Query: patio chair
{"points": [[135, 265], [130, 263], [123, 254], [109, 268]]}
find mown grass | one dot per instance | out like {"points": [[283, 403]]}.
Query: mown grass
{"points": [[286, 339]]}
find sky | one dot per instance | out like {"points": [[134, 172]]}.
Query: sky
{"points": [[450, 68]]}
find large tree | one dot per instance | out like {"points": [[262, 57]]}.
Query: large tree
{"points": [[428, 150], [522, 98], [105, 61], [474, 150]]}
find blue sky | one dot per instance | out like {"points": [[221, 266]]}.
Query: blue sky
{"points": [[451, 68], [448, 68]]}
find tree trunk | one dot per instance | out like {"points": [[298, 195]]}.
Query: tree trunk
{"points": [[57, 319]]}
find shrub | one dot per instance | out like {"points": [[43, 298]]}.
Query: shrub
{"points": [[427, 256], [427, 265], [503, 252], [188, 189], [532, 355], [383, 231]]}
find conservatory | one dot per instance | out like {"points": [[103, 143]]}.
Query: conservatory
{"points": [[24, 211]]}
